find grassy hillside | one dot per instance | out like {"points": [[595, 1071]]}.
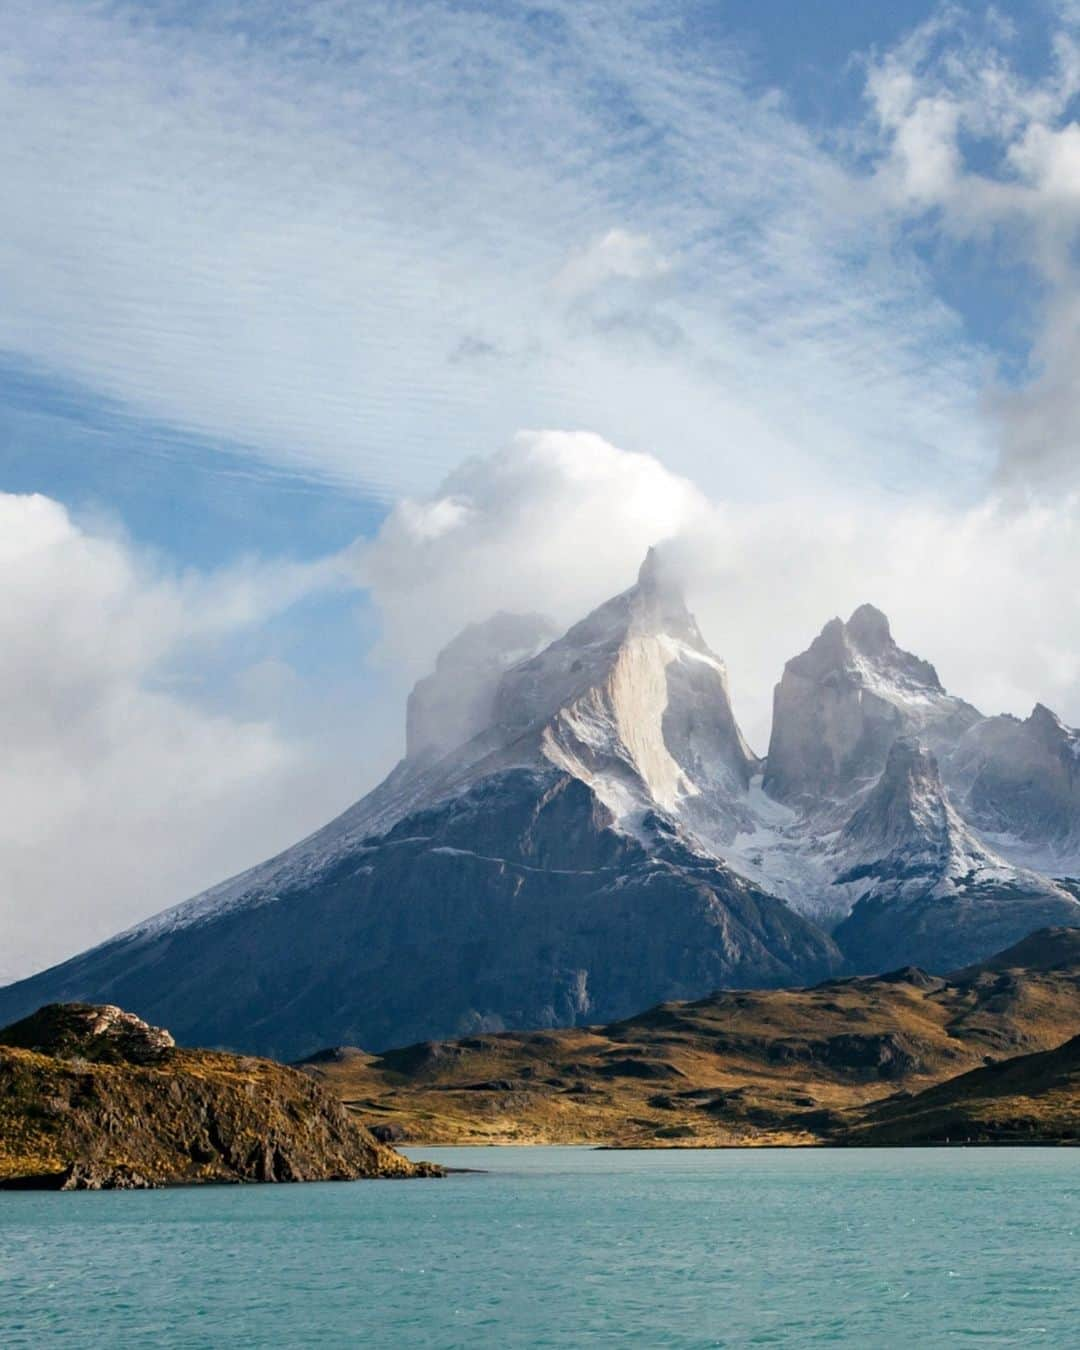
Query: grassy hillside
{"points": [[739, 1067], [1031, 1099], [91, 1097]]}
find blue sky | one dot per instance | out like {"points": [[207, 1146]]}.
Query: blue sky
{"points": [[283, 286]]}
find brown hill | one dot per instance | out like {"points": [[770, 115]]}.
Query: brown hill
{"points": [[739, 1067], [94, 1098], [1030, 1099]]}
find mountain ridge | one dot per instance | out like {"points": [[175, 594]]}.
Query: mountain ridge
{"points": [[603, 837]]}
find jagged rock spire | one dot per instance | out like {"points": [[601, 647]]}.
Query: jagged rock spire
{"points": [[842, 703]]}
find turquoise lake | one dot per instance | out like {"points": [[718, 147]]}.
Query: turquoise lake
{"points": [[568, 1247]]}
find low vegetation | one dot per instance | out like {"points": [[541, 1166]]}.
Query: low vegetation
{"points": [[845, 1062], [93, 1098]]}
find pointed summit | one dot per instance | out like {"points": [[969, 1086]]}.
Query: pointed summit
{"points": [[927, 889], [658, 603], [842, 703], [869, 629], [632, 701], [906, 814], [1021, 778], [649, 571]]}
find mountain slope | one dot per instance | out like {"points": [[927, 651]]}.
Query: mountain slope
{"points": [[1032, 1099], [578, 829], [516, 904], [930, 892]]}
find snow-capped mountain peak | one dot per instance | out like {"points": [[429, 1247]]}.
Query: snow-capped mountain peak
{"points": [[632, 701], [842, 703], [906, 827]]}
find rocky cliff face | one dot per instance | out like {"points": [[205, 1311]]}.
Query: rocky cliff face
{"points": [[842, 703], [929, 891], [1020, 780], [93, 1098], [581, 830], [632, 702]]}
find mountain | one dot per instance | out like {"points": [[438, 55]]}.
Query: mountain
{"points": [[842, 703], [541, 873], [931, 892], [1019, 783], [92, 1098], [856, 825], [578, 829], [777, 1066]]}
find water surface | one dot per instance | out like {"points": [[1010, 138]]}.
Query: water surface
{"points": [[567, 1247]]}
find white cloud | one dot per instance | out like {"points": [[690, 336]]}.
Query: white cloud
{"points": [[556, 522], [994, 156], [315, 237], [119, 794], [616, 255], [559, 521]]}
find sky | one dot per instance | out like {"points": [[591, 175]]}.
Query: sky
{"points": [[327, 329]]}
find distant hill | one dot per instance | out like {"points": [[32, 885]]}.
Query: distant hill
{"points": [[739, 1067], [1031, 1099]]}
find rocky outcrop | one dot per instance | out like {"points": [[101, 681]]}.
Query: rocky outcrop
{"points": [[92, 1098], [98, 1035]]}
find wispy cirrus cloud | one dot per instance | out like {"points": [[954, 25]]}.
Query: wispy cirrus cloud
{"points": [[987, 155], [367, 241]]}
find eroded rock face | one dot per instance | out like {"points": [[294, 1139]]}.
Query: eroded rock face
{"points": [[1021, 778], [842, 703]]}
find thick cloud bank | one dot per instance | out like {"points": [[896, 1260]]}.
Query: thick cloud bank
{"points": [[558, 521]]}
